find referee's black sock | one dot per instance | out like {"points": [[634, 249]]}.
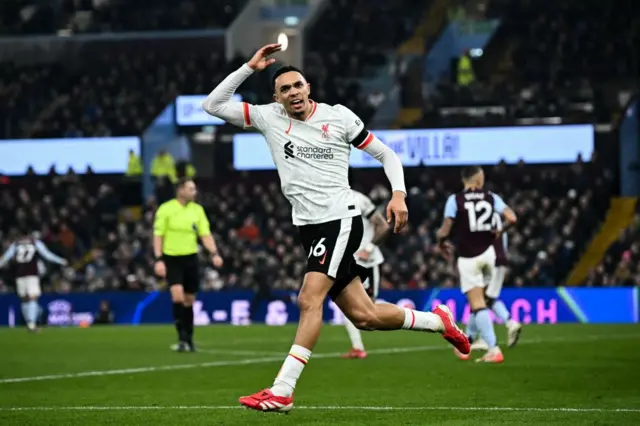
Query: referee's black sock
{"points": [[178, 320], [188, 323]]}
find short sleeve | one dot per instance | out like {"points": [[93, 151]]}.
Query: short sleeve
{"points": [[451, 207], [498, 203], [203, 224], [496, 222], [256, 116], [160, 222], [355, 132], [366, 205]]}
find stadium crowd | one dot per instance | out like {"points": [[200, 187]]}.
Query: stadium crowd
{"points": [[551, 70], [90, 16], [99, 95], [90, 92], [351, 50], [115, 95], [621, 263], [565, 59], [104, 97], [251, 222], [69, 213]]}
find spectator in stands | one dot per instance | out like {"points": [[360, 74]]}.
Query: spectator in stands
{"points": [[67, 239], [163, 166], [465, 73], [134, 165]]}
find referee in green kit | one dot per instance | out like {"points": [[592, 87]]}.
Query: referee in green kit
{"points": [[177, 226]]}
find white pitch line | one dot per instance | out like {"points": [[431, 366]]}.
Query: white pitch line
{"points": [[279, 358], [239, 352], [327, 408], [238, 362]]}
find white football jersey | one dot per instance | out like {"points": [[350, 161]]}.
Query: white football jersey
{"points": [[368, 209], [312, 158]]}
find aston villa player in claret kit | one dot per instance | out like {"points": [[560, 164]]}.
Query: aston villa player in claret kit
{"points": [[468, 216], [25, 252], [310, 144]]}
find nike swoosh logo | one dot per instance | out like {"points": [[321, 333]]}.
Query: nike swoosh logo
{"points": [[323, 258]]}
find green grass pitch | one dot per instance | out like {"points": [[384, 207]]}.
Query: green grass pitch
{"points": [[559, 374]]}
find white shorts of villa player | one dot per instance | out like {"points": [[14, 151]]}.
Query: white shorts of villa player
{"points": [[494, 286], [477, 271], [28, 286]]}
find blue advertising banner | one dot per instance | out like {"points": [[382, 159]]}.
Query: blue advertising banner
{"points": [[104, 155], [450, 147], [536, 305]]}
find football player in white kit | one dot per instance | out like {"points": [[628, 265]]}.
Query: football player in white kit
{"points": [[310, 144], [369, 256]]}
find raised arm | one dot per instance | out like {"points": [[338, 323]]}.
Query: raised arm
{"points": [[219, 103]]}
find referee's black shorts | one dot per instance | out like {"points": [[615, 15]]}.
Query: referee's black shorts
{"points": [[183, 270]]}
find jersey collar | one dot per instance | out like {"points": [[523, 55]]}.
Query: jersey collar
{"points": [[314, 106]]}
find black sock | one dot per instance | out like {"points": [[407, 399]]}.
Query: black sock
{"points": [[188, 322], [178, 320]]}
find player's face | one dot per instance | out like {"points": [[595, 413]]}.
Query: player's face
{"points": [[188, 191], [292, 91]]}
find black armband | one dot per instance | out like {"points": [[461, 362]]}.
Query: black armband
{"points": [[362, 136]]}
